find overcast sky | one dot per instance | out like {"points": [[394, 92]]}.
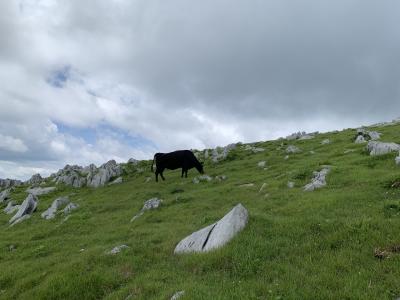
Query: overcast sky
{"points": [[87, 81]]}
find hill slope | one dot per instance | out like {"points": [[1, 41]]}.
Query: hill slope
{"points": [[297, 244]]}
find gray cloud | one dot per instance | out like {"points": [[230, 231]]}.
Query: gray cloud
{"points": [[188, 75]]}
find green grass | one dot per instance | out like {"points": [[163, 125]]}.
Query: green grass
{"points": [[297, 245]]}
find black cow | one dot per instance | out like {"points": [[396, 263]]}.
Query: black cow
{"points": [[184, 159]]}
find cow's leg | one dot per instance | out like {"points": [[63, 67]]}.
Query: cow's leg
{"points": [[183, 171], [161, 174], [186, 173], [156, 176]]}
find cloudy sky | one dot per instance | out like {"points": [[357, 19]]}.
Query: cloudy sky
{"points": [[87, 81]]}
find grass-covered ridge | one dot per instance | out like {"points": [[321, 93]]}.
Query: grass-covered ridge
{"points": [[297, 245]]}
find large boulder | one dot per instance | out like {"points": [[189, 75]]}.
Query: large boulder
{"points": [[27, 208], [379, 148], [7, 183], [40, 191], [360, 139], [215, 235], [301, 135], [318, 181], [35, 180], [72, 176], [5, 195], [220, 153], [11, 207], [50, 213], [103, 174]]}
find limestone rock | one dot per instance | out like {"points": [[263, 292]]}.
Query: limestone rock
{"points": [[40, 191], [301, 135], [379, 148], [397, 160], [5, 195], [290, 184], [72, 176], [70, 207], [7, 183], [221, 153], [103, 174], [360, 139], [50, 213], [116, 181], [152, 203], [202, 178], [292, 149], [261, 164], [35, 180], [133, 161], [177, 295], [221, 178], [326, 142], [26, 208], [217, 234], [318, 181], [117, 249], [11, 207]]}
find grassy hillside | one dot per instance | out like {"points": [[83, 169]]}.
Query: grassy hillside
{"points": [[297, 245]]}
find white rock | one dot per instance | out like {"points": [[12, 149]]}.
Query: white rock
{"points": [[286, 157], [19, 220], [247, 185], [217, 234], [202, 178], [292, 149], [117, 249], [306, 137], [50, 213], [152, 203], [290, 184], [221, 153], [7, 183], [40, 191], [374, 135], [177, 295], [35, 180], [11, 208], [326, 141], [26, 208], [318, 181], [116, 181], [397, 160], [133, 161], [103, 174], [5, 195], [70, 207], [360, 139], [220, 177], [261, 164], [379, 148]]}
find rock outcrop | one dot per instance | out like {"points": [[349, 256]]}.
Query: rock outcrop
{"points": [[318, 181], [50, 213], [7, 183], [217, 234], [11, 207], [40, 191], [302, 135], [35, 180], [116, 181], [72, 176], [25, 210], [103, 174], [5, 195], [152, 203], [221, 153], [364, 135], [379, 148]]}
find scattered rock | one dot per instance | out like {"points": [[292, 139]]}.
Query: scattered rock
{"points": [[221, 153], [364, 135], [286, 157], [103, 174], [220, 178], [262, 187], [290, 184], [397, 160], [177, 295], [318, 181], [253, 149], [7, 183], [292, 149], [360, 140], [152, 203], [73, 175], [35, 180], [5, 195], [302, 135], [261, 164], [117, 249], [40, 191], [70, 207], [26, 209], [148, 179], [50, 213], [11, 208], [202, 178], [116, 181], [133, 161], [215, 235], [247, 185], [379, 148], [326, 141]]}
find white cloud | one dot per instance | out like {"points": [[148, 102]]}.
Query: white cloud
{"points": [[12, 144]]}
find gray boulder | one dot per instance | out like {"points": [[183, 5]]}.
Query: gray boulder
{"points": [[261, 164], [318, 181], [133, 161], [7, 183], [379, 148], [220, 177], [202, 178], [177, 295], [103, 174], [71, 175], [26, 208], [5, 195], [70, 207], [35, 180], [117, 249], [40, 191], [360, 139], [326, 142], [50, 213], [11, 208], [292, 149], [221, 153], [301, 135], [215, 235], [152, 203]]}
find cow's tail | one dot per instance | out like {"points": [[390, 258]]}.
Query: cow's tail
{"points": [[152, 164]]}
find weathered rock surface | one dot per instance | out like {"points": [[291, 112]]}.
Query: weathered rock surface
{"points": [[253, 149], [177, 295], [379, 148], [35, 180], [152, 203], [318, 181], [116, 181], [11, 207], [7, 183], [364, 135], [5, 195], [40, 191], [221, 153], [72, 176], [26, 208], [215, 235], [117, 249], [50, 213], [202, 178], [360, 139], [70, 207], [103, 174], [301, 135], [292, 149]]}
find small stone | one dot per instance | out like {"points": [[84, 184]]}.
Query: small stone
{"points": [[290, 184], [325, 142], [177, 295], [292, 149], [261, 164], [70, 207], [117, 249], [116, 181], [262, 187], [247, 185]]}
